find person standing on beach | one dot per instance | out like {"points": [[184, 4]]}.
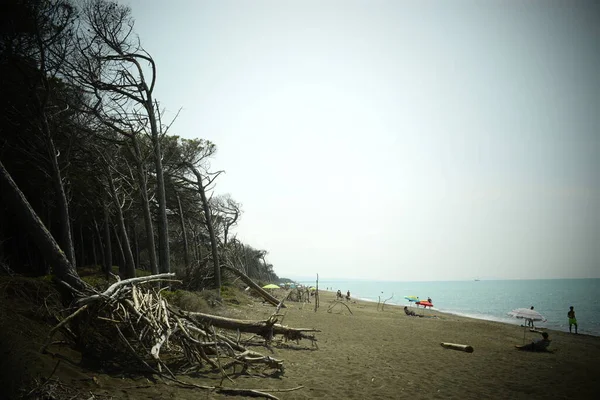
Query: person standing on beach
{"points": [[572, 319], [530, 321]]}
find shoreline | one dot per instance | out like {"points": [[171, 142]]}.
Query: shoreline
{"points": [[385, 354], [491, 318], [553, 325]]}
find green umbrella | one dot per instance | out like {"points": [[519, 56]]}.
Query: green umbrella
{"points": [[271, 286]]}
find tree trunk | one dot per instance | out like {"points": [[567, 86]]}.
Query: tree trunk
{"points": [[136, 246], [129, 267], [263, 328], [186, 257], [94, 253], [262, 292], [195, 244], [99, 237], [163, 223], [61, 197], [199, 247], [141, 172], [107, 244], [121, 262], [211, 231], [246, 268], [16, 201], [227, 226], [82, 248]]}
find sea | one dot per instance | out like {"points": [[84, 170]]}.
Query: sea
{"points": [[490, 299]]}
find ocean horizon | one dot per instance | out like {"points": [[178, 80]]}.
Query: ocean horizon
{"points": [[489, 299]]}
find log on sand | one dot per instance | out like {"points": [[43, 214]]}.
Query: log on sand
{"points": [[265, 329], [455, 346]]}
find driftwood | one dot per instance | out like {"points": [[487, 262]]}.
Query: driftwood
{"points": [[383, 304], [335, 303], [265, 329], [386, 300], [299, 295], [454, 346], [132, 320], [317, 295], [262, 292], [120, 284], [280, 306]]}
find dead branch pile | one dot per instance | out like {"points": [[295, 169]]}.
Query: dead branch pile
{"points": [[300, 295], [133, 320]]}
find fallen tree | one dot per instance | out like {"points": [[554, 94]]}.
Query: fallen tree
{"points": [[266, 329], [16, 202], [246, 279]]}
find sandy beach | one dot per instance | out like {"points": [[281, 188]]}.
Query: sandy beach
{"points": [[381, 355], [388, 355]]}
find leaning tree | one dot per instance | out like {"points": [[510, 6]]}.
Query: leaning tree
{"points": [[113, 67]]}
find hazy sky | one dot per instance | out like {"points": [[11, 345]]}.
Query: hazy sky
{"points": [[423, 140]]}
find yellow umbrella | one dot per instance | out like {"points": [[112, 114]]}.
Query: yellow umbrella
{"points": [[271, 286]]}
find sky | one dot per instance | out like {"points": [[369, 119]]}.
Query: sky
{"points": [[395, 140]]}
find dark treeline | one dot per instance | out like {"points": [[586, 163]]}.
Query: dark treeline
{"points": [[83, 138]]}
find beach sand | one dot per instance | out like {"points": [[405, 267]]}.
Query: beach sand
{"points": [[387, 355], [384, 354]]}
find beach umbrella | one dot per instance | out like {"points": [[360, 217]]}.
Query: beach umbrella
{"points": [[271, 286], [528, 315], [425, 303], [412, 299]]}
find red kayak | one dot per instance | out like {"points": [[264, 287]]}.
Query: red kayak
{"points": [[424, 303]]}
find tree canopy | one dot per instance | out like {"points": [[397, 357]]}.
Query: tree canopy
{"points": [[83, 139]]}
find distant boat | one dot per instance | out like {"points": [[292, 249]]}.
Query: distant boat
{"points": [[476, 280]]}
